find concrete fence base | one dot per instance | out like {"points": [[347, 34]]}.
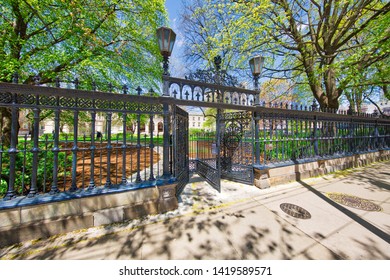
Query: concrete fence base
{"points": [[41, 221], [272, 176]]}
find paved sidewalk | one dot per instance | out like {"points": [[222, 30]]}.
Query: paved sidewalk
{"points": [[243, 222]]}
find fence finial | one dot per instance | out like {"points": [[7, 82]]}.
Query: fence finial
{"points": [[37, 79], [139, 90], [125, 89], [76, 83], [314, 105], [15, 78], [57, 82]]}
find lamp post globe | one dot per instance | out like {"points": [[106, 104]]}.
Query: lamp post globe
{"points": [[166, 40], [256, 65]]}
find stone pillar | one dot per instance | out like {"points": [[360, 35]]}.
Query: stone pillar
{"points": [[167, 200]]}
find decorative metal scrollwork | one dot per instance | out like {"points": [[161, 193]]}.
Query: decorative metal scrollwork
{"points": [[236, 147], [48, 100], [5, 98]]}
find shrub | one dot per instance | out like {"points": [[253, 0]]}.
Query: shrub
{"points": [[23, 168]]}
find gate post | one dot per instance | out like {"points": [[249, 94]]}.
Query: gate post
{"points": [[166, 135], [13, 150], [218, 132], [257, 143], [219, 125]]}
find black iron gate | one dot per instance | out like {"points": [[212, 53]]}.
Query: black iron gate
{"points": [[228, 153], [210, 171], [236, 153], [180, 148], [204, 157]]}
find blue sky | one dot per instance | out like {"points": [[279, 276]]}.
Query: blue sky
{"points": [[173, 7], [176, 64]]}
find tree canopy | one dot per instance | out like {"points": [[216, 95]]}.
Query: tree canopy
{"points": [[205, 30], [101, 43], [327, 46], [106, 41]]}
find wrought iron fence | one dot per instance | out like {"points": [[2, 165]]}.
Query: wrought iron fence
{"points": [[285, 138], [281, 133], [268, 137], [202, 146], [83, 158], [91, 164], [144, 150]]}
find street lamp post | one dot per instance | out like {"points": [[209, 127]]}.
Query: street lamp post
{"points": [[256, 65], [166, 41]]}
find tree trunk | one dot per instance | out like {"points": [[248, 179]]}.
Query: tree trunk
{"points": [[326, 101], [19, 35], [386, 92], [6, 125], [330, 98], [332, 92]]}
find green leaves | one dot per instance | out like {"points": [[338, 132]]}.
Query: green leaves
{"points": [[329, 46], [110, 40]]}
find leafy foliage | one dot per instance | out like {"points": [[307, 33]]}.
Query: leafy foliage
{"points": [[105, 41], [24, 166], [277, 90], [206, 32], [327, 45]]}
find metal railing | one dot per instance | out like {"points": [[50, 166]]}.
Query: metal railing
{"points": [[290, 137], [83, 158], [80, 161]]}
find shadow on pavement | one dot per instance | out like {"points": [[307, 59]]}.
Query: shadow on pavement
{"points": [[378, 232]]}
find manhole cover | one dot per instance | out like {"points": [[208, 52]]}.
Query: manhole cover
{"points": [[354, 202], [295, 211]]}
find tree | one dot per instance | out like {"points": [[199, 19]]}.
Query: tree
{"points": [[311, 41], [368, 82], [281, 91], [203, 29], [102, 41]]}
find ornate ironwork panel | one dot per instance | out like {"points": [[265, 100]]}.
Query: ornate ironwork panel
{"points": [[236, 153], [48, 100], [5, 98], [67, 102], [189, 90], [204, 159], [181, 161], [207, 170]]}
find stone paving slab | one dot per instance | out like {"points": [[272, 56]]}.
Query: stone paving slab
{"points": [[349, 232], [196, 237], [241, 222], [258, 233], [353, 242]]}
